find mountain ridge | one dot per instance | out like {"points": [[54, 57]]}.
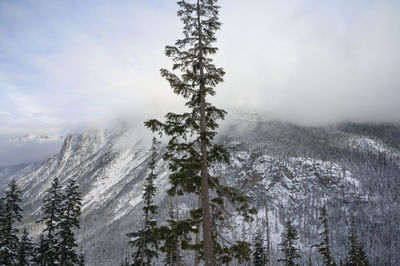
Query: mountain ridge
{"points": [[295, 169]]}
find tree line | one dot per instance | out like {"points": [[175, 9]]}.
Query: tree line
{"points": [[290, 251], [56, 244], [152, 240]]}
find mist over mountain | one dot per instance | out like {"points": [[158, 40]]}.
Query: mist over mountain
{"points": [[27, 149], [352, 168]]}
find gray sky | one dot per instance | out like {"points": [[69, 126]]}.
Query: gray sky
{"points": [[65, 64]]}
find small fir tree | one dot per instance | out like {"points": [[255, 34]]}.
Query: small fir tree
{"points": [[288, 246], [145, 240], [51, 211], [259, 256], [10, 214], [69, 221], [310, 260], [356, 255], [324, 247], [26, 250], [172, 243], [40, 251], [82, 259]]}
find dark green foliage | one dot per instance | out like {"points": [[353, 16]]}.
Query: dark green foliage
{"points": [[356, 255], [26, 250], [41, 251], [145, 240], [10, 213], [288, 246], [324, 247], [259, 256], [309, 261], [51, 217], [191, 151], [173, 239], [69, 220], [82, 259], [61, 213]]}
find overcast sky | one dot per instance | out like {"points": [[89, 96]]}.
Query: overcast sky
{"points": [[65, 64]]}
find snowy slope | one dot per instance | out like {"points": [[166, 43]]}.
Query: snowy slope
{"points": [[295, 170]]}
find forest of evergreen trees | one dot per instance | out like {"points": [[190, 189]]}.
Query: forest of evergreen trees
{"points": [[152, 245], [56, 245]]}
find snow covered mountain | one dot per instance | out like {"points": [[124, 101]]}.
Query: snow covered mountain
{"points": [[354, 169]]}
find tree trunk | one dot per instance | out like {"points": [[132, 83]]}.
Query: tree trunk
{"points": [[146, 221], [205, 202], [196, 253]]}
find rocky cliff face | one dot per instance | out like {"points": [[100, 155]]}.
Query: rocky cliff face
{"points": [[293, 170]]}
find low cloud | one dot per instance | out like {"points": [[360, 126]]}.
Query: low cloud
{"points": [[16, 152], [313, 62], [70, 66]]}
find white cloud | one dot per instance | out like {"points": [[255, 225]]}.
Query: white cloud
{"points": [[313, 61], [89, 63]]}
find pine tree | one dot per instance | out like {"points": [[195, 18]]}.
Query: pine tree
{"points": [[356, 255], [324, 247], [191, 150], [10, 213], [51, 211], [40, 251], [288, 246], [69, 221], [145, 240], [82, 259], [26, 250], [173, 240], [309, 260], [259, 256]]}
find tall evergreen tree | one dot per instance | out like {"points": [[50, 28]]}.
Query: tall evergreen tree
{"points": [[51, 211], [324, 247], [69, 221], [356, 255], [191, 150], [259, 256], [26, 250], [288, 246], [11, 213], [145, 240]]}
